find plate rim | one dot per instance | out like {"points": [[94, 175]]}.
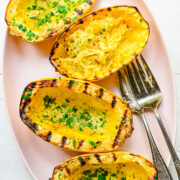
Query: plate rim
{"points": [[4, 100]]}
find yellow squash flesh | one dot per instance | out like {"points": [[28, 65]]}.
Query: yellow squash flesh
{"points": [[36, 20], [105, 166], [76, 115], [100, 43]]}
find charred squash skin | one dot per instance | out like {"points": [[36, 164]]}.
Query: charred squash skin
{"points": [[22, 23], [93, 137], [116, 165], [58, 57]]}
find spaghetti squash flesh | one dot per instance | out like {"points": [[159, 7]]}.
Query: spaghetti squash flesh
{"points": [[35, 20], [114, 166], [76, 115], [61, 111], [101, 43]]}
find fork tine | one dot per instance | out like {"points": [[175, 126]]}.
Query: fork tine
{"points": [[138, 79], [143, 76], [132, 80], [122, 85], [149, 73]]}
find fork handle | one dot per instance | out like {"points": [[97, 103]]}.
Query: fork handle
{"points": [[163, 172], [169, 144]]}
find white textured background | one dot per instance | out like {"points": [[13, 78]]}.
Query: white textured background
{"points": [[167, 16]]}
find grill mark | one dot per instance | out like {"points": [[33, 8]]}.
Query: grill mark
{"points": [[42, 83], [113, 102], [82, 161], [35, 127], [22, 115], [94, 13], [80, 144], [63, 141], [48, 137], [70, 84], [64, 74], [114, 157], [67, 29], [68, 170], [28, 122], [53, 50], [56, 45], [109, 9], [85, 88], [50, 34], [54, 59], [33, 85], [80, 21], [132, 154], [89, 2], [101, 91], [52, 53], [23, 110], [53, 82], [119, 131], [67, 22], [98, 157], [78, 11]]}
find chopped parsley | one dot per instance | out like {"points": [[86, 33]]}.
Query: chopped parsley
{"points": [[92, 143], [49, 29], [123, 122], [48, 101], [59, 175], [74, 19], [123, 178], [74, 143], [26, 96]]}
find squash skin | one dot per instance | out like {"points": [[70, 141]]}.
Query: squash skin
{"points": [[67, 170], [79, 11], [82, 144], [64, 71]]}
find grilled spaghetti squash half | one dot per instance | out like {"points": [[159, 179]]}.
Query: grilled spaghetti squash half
{"points": [[105, 166], [76, 115], [100, 43], [36, 20]]}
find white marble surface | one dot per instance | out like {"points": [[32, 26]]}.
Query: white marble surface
{"points": [[167, 16]]}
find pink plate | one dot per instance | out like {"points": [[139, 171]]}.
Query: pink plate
{"points": [[26, 62]]}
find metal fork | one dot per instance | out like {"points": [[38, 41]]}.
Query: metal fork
{"points": [[148, 95], [129, 84], [153, 99]]}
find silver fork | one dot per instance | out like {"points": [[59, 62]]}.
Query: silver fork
{"points": [[129, 89], [155, 98], [148, 95]]}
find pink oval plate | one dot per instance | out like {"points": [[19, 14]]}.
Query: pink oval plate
{"points": [[25, 62]]}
